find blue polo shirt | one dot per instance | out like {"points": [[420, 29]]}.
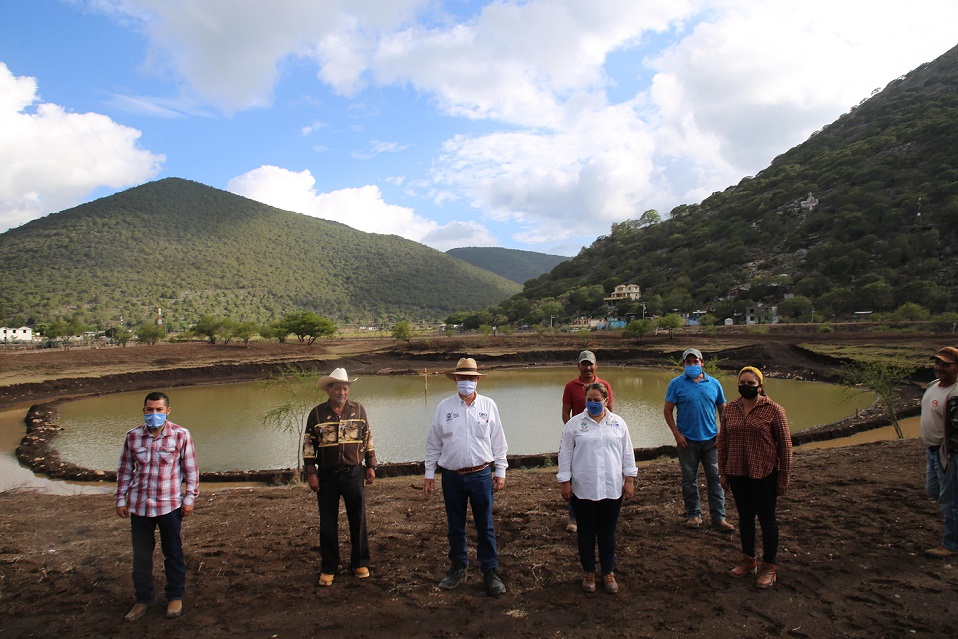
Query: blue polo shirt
{"points": [[695, 406]]}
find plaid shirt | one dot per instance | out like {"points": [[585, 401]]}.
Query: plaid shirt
{"points": [[152, 470], [756, 444]]}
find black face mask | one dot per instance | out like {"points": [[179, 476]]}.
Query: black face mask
{"points": [[748, 392]]}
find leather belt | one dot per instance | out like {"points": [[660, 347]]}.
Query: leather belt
{"points": [[474, 469]]}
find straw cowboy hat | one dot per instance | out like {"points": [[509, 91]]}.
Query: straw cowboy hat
{"points": [[338, 375], [465, 366]]}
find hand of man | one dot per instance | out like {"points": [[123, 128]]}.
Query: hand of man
{"points": [[313, 481], [565, 490], [498, 483], [680, 441], [186, 510], [628, 488], [370, 476], [427, 486], [123, 511], [723, 480]]}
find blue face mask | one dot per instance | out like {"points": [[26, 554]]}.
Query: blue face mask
{"points": [[466, 387], [693, 371], [154, 420], [594, 408]]}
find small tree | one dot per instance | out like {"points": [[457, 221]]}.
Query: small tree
{"points": [[881, 377], [244, 331], [307, 326], [671, 322], [150, 333], [402, 331], [637, 329], [298, 387]]}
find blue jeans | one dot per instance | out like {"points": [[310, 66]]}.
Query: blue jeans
{"points": [[597, 521], [350, 486], [473, 489], [707, 453], [942, 486], [142, 530]]}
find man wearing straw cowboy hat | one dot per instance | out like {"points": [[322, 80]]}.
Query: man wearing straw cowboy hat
{"points": [[337, 442], [467, 443]]}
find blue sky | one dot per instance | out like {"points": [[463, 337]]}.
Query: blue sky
{"points": [[532, 125]]}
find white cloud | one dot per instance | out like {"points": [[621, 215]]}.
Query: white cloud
{"points": [[52, 158], [361, 208]]}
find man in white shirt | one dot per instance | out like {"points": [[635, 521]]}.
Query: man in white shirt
{"points": [[467, 443], [939, 479]]}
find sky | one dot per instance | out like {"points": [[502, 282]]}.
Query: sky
{"points": [[533, 124]]}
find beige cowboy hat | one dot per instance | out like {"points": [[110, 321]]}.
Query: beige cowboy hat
{"points": [[465, 366], [338, 375]]}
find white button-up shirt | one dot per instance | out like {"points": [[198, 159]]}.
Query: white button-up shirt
{"points": [[466, 436], [596, 457]]}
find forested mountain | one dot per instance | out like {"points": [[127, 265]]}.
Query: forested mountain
{"points": [[512, 264], [191, 249], [863, 216]]}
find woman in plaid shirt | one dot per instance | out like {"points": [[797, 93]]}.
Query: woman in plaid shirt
{"points": [[755, 461]]}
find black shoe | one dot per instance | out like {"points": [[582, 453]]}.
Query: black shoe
{"points": [[494, 585], [455, 576]]}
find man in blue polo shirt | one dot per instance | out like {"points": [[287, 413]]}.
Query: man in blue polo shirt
{"points": [[692, 403]]}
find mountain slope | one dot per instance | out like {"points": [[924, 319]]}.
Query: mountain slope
{"points": [[512, 264], [879, 230], [192, 249]]}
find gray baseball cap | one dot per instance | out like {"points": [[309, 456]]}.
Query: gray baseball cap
{"points": [[586, 356], [692, 351]]}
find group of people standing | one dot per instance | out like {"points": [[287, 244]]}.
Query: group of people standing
{"points": [[750, 454]]}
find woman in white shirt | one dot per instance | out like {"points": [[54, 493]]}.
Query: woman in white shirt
{"points": [[597, 469]]}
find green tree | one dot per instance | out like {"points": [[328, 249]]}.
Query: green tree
{"points": [[649, 218], [671, 322], [307, 326], [402, 331], [637, 329], [150, 333], [244, 332], [911, 312], [208, 326]]}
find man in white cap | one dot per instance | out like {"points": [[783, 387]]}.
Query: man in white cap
{"points": [[337, 442], [697, 399], [573, 403], [467, 443]]}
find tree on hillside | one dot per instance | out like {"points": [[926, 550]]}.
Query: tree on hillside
{"points": [[911, 312], [649, 218], [671, 322]]}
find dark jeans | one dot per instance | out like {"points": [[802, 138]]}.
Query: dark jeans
{"points": [[597, 521], [757, 497], [348, 485], [142, 531], [473, 489]]}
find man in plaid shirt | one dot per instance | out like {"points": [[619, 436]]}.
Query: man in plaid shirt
{"points": [[158, 456]]}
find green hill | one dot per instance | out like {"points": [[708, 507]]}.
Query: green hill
{"points": [[879, 230], [512, 264], [191, 249]]}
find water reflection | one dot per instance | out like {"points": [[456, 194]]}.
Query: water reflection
{"points": [[226, 420]]}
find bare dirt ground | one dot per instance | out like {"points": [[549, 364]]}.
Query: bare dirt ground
{"points": [[854, 525]]}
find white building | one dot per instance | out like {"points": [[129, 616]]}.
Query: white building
{"points": [[22, 334], [624, 292]]}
